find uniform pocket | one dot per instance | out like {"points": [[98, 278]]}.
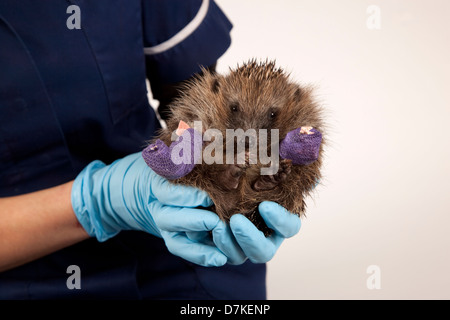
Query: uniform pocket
{"points": [[117, 45], [31, 141]]}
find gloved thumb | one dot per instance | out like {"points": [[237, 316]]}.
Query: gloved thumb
{"points": [[178, 195]]}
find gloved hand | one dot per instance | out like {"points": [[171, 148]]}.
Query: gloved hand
{"points": [[241, 239], [128, 195]]}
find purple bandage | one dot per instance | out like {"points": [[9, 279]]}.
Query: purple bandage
{"points": [[301, 145], [177, 160]]}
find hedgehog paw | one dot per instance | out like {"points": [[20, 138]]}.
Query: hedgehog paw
{"points": [[269, 182], [230, 177]]}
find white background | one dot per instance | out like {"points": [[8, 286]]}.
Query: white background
{"points": [[385, 196]]}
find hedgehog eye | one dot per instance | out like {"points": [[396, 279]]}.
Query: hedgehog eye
{"points": [[272, 114], [234, 107]]}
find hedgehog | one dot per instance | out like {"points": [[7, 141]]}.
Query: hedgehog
{"points": [[267, 115]]}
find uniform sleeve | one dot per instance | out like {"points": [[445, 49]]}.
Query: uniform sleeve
{"points": [[182, 35]]}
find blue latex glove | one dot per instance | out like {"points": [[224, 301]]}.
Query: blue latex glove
{"points": [[128, 195], [241, 239]]}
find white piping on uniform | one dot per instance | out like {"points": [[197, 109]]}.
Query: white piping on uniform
{"points": [[183, 33]]}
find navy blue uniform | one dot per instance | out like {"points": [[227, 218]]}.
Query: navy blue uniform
{"points": [[71, 96]]}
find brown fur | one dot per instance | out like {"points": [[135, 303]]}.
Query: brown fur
{"points": [[259, 96]]}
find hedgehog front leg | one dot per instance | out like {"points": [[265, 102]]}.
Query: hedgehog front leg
{"points": [[269, 182], [300, 147], [177, 160]]}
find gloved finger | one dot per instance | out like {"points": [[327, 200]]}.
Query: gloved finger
{"points": [[252, 241], [178, 195], [200, 236], [177, 219], [178, 244], [279, 219], [225, 241]]}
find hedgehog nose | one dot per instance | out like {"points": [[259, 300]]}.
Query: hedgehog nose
{"points": [[247, 142]]}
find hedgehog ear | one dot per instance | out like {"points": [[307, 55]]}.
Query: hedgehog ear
{"points": [[298, 94], [215, 84]]}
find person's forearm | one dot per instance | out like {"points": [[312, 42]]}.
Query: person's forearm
{"points": [[36, 224]]}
